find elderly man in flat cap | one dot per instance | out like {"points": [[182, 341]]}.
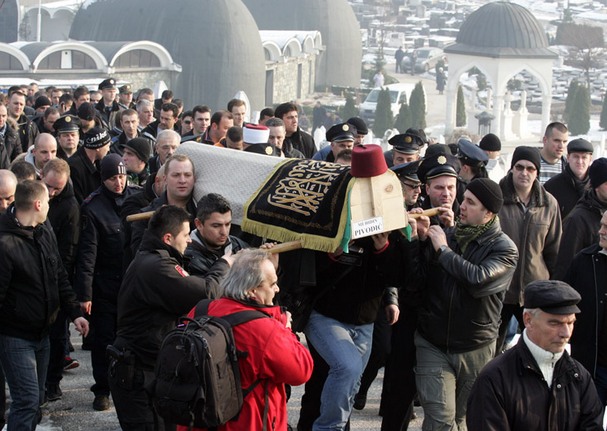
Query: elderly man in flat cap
{"points": [[536, 385]]}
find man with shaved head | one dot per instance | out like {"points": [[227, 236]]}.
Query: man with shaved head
{"points": [[44, 150], [8, 185]]}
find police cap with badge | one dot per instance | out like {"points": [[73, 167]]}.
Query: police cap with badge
{"points": [[437, 165], [67, 123], [341, 132], [125, 89], [470, 154], [409, 142], [407, 171], [107, 84]]}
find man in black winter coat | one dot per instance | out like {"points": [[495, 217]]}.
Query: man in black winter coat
{"points": [[580, 228], [33, 286], [462, 276], [155, 292], [568, 186], [536, 385], [99, 266], [64, 216], [588, 275]]}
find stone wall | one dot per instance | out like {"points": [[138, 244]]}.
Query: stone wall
{"points": [[286, 77]]}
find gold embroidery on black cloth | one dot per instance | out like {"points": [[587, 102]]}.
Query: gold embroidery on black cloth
{"points": [[304, 187]]}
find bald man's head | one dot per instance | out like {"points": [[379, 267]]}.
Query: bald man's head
{"points": [[45, 149], [8, 185]]}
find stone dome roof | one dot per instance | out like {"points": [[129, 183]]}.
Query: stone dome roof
{"points": [[340, 63], [502, 29], [215, 41]]}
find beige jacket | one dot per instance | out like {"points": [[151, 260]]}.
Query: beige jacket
{"points": [[536, 231]]}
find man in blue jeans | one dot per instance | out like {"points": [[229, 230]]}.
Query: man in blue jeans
{"points": [[340, 328], [33, 285]]}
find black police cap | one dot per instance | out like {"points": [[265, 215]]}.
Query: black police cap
{"points": [[471, 154], [67, 123], [341, 132]]}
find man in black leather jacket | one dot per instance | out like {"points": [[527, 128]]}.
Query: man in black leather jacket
{"points": [[462, 276]]}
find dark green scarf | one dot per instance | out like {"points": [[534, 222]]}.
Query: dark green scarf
{"points": [[465, 234]]}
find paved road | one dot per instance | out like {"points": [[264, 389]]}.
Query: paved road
{"points": [[74, 412]]}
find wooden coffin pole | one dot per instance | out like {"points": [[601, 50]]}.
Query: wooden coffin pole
{"points": [[295, 245]]}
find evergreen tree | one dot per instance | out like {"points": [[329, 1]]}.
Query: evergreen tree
{"points": [[383, 113], [573, 86], [403, 120], [349, 110], [579, 114], [460, 113], [603, 121], [418, 107]]}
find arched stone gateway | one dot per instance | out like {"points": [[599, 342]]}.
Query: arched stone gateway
{"points": [[501, 39]]}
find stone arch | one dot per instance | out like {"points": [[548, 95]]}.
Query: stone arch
{"points": [[272, 51], [292, 48], [98, 58], [12, 52], [164, 57]]}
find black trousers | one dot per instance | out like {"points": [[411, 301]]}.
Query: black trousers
{"points": [[103, 320], [399, 378], [380, 349], [58, 341], [132, 403]]}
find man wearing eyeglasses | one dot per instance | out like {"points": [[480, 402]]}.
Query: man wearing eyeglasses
{"points": [[411, 185], [532, 219]]}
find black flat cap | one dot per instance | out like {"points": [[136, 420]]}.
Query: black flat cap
{"points": [[580, 146], [552, 296]]}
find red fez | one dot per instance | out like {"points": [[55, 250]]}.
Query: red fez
{"points": [[368, 161]]}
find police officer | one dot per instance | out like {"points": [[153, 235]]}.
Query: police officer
{"points": [[405, 148], [473, 161], [437, 173], [99, 266], [341, 137], [125, 97], [412, 186], [67, 134], [108, 107]]}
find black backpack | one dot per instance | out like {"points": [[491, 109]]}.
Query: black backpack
{"points": [[197, 379]]}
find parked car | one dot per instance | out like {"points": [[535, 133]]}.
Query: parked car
{"points": [[424, 59], [397, 96]]}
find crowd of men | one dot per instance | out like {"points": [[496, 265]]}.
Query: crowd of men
{"points": [[506, 249]]}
